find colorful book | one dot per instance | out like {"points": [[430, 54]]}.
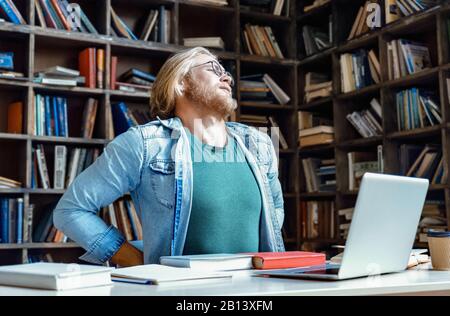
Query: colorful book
{"points": [[289, 259]]}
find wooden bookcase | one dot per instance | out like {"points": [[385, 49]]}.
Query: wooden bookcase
{"points": [[36, 47]]}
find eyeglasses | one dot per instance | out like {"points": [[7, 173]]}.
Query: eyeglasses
{"points": [[218, 70]]}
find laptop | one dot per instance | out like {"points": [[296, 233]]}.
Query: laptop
{"points": [[382, 231]]}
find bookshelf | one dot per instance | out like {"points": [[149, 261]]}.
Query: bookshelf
{"points": [[36, 47]]}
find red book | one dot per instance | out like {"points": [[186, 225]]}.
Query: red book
{"points": [[285, 260], [113, 72], [87, 67]]}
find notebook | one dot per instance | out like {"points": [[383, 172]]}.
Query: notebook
{"points": [[210, 262], [55, 276]]}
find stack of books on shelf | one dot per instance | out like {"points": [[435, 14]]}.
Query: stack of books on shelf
{"points": [[11, 220], [315, 4], [50, 116], [423, 162], [7, 66], [134, 80], [91, 63], [356, 70], [433, 217], [6, 183], [125, 116], [317, 38], [398, 8], [320, 174], [59, 76], [360, 162], [367, 122], [266, 124], [407, 57], [44, 230], [157, 27], [64, 171], [317, 85], [345, 216], [10, 12], [260, 40], [210, 42], [417, 108], [122, 215], [318, 135], [361, 24], [57, 14], [262, 88], [275, 7], [317, 219]]}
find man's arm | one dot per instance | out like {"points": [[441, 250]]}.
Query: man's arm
{"points": [[115, 172]]}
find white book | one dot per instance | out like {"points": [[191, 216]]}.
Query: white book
{"points": [[73, 165], [159, 274], [209, 262], [376, 107], [57, 82], [59, 174], [216, 42], [276, 129], [61, 71], [55, 276], [42, 166], [279, 94]]}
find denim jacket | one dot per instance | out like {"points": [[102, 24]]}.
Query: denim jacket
{"points": [[153, 163]]}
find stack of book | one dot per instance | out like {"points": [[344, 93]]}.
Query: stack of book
{"points": [[125, 116], [122, 215], [356, 71], [55, 14], [367, 122], [360, 162], [308, 120], [64, 171], [315, 4], [50, 116], [59, 76], [7, 66], [10, 12], [275, 7], [91, 63], [317, 85], [361, 24], [317, 219], [11, 220], [262, 88], [260, 40], [416, 109], [318, 135], [316, 38], [433, 217], [157, 26], [407, 57], [345, 216], [211, 42], [423, 162], [398, 8], [320, 174], [266, 124], [6, 183], [135, 80]]}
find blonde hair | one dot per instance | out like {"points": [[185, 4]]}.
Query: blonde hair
{"points": [[166, 87]]}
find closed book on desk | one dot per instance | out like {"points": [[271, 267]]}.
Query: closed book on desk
{"points": [[55, 276], [159, 274], [289, 259], [211, 262]]}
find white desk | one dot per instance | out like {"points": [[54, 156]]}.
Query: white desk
{"points": [[409, 282]]}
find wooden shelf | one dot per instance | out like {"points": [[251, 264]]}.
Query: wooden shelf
{"points": [[315, 11], [311, 150], [267, 60], [68, 140], [317, 104], [46, 245], [265, 17], [256, 105], [318, 195], [317, 57], [360, 93], [361, 142], [418, 132]]}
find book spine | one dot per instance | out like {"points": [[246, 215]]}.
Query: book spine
{"points": [[8, 11], [19, 227], [55, 116], [60, 166], [100, 67], [48, 123], [4, 220]]}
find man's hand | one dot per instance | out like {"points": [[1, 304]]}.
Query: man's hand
{"points": [[127, 255]]}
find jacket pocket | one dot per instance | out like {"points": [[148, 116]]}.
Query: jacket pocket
{"points": [[162, 179]]}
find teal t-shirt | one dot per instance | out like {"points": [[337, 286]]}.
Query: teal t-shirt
{"points": [[226, 204]]}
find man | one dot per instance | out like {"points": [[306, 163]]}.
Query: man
{"points": [[199, 184]]}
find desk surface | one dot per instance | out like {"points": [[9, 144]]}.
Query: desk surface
{"points": [[421, 280]]}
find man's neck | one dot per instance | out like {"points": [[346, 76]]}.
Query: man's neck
{"points": [[206, 125]]}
